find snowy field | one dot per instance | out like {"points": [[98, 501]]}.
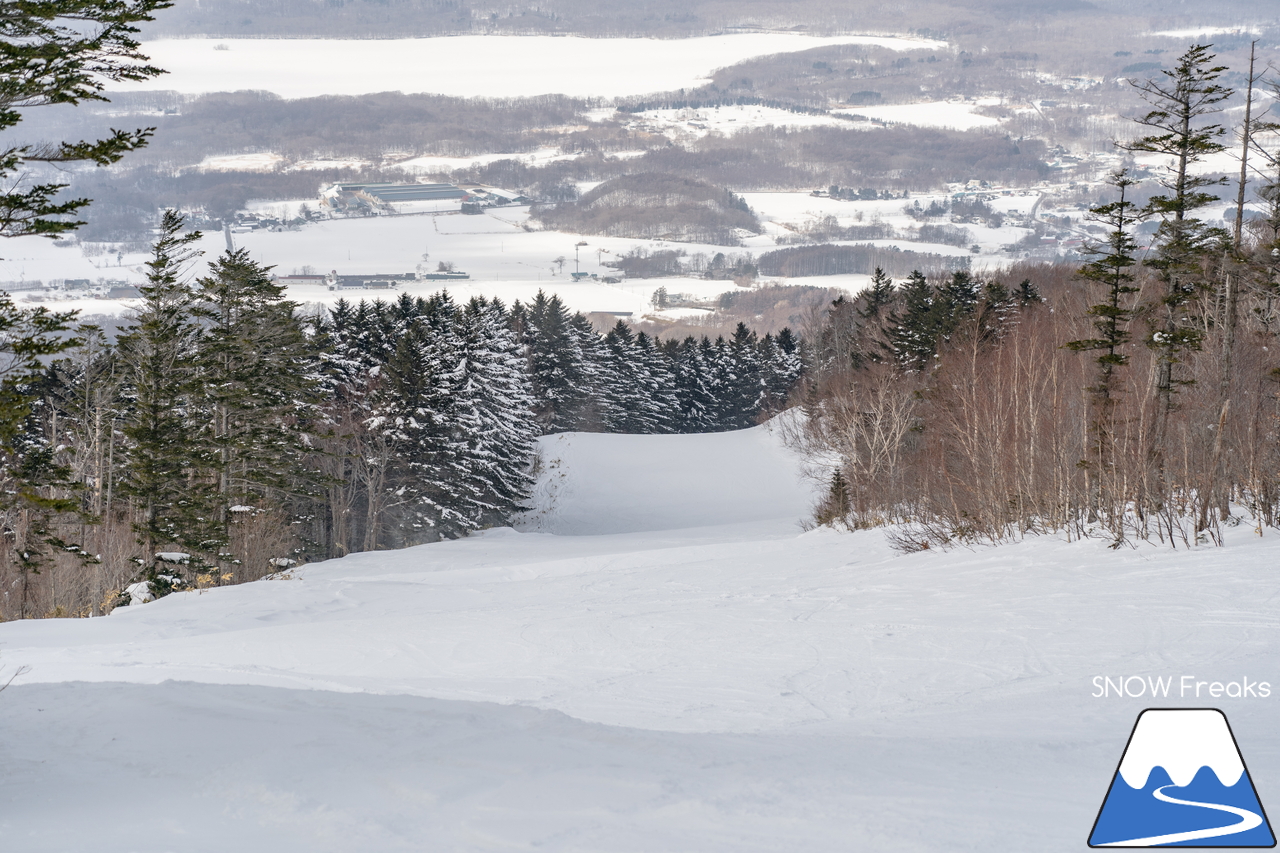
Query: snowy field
{"points": [[728, 120], [1195, 32], [954, 115], [659, 659], [502, 258], [471, 66], [431, 164]]}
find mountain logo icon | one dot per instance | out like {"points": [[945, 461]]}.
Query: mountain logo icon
{"points": [[1182, 782]]}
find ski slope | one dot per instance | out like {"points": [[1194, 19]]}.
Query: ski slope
{"points": [[659, 658]]}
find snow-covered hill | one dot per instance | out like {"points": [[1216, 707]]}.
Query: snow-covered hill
{"points": [[660, 659]]}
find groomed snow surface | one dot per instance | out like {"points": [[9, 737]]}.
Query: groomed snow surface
{"points": [[658, 659]]}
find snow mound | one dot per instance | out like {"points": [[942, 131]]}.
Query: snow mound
{"points": [[595, 483]]}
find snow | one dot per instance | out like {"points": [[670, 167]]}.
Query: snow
{"points": [[672, 314], [1194, 32], [956, 115], [333, 163], [728, 120], [267, 161], [260, 162], [718, 487], [431, 164], [502, 258], [470, 66], [139, 593], [659, 659]]}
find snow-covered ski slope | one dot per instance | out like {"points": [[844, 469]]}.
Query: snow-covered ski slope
{"points": [[594, 483], [660, 659]]}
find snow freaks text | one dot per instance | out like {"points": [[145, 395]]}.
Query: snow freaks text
{"points": [[1183, 687]]}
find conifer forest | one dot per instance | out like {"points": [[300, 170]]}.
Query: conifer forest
{"points": [[223, 435]]}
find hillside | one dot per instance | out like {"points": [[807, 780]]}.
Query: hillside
{"points": [[656, 206], [659, 660]]}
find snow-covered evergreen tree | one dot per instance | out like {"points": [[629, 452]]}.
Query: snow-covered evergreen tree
{"points": [[746, 391], [430, 492], [696, 402], [659, 383], [912, 333], [494, 409], [558, 369], [597, 405], [780, 370]]}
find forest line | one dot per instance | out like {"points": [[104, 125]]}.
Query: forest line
{"points": [[224, 436]]}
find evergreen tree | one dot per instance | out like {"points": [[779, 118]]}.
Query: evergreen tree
{"points": [[838, 503], [595, 406], [1026, 294], [724, 383], [63, 52], [659, 384], [696, 403], [877, 298], [1111, 268], [877, 303], [627, 390], [163, 417], [259, 377], [912, 333], [495, 414], [51, 52], [1180, 99], [431, 492], [558, 369], [952, 304], [781, 369], [748, 390], [996, 312]]}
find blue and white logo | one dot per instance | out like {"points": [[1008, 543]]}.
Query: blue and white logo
{"points": [[1182, 783]]}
